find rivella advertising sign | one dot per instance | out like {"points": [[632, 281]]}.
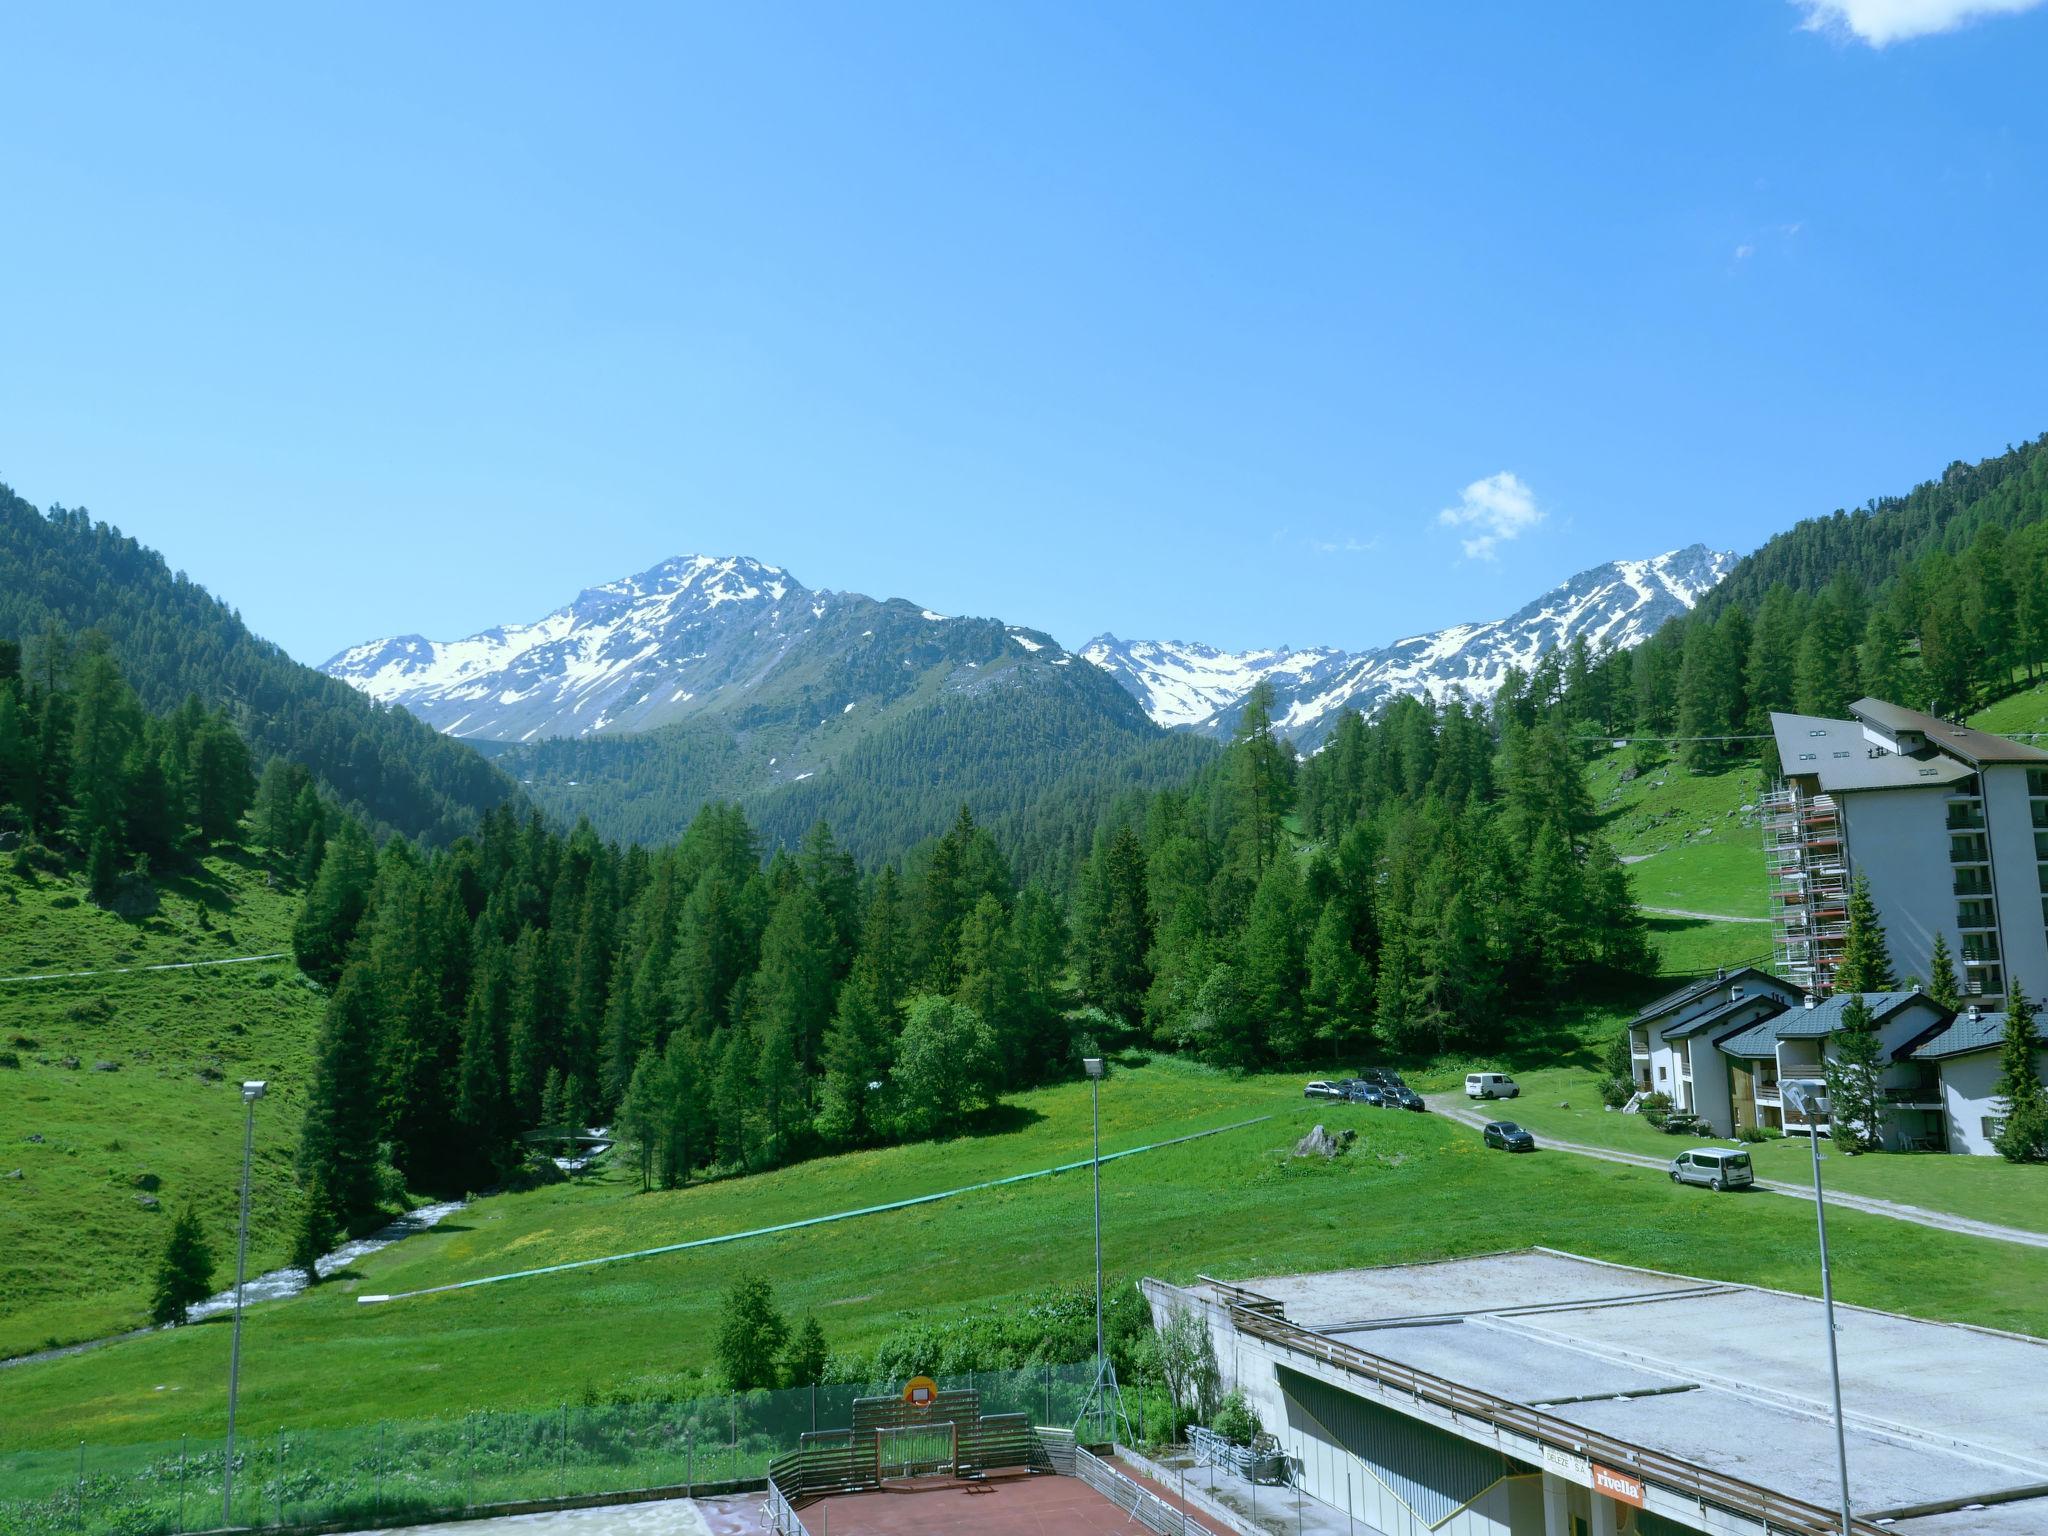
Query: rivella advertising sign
{"points": [[1619, 1486]]}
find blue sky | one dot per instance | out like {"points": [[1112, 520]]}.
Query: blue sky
{"points": [[1169, 318]]}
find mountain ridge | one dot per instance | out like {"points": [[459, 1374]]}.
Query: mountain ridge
{"points": [[1193, 686]]}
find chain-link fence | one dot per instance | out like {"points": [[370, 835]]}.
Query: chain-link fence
{"points": [[404, 1471]]}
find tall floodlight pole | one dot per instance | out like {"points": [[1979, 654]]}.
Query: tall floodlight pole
{"points": [[251, 1092], [1810, 1099], [1093, 1066]]}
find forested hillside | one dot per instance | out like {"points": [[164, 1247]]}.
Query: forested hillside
{"points": [[1876, 541], [1030, 746], [65, 573], [1937, 600], [1430, 879]]}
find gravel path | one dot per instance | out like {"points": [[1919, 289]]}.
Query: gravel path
{"points": [[1708, 917], [1455, 1108], [126, 970]]}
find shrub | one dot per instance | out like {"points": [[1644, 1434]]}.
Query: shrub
{"points": [[1234, 1419], [10, 1059], [1753, 1134], [1616, 1091], [1656, 1108]]}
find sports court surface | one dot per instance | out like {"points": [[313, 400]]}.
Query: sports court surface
{"points": [[1002, 1506]]}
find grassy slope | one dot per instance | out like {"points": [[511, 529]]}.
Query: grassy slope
{"points": [[76, 1245], [1416, 1187], [1690, 848]]}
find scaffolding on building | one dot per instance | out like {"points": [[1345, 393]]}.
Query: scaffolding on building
{"points": [[1808, 863]]}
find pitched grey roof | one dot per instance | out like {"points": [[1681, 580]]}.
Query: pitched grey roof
{"points": [[1692, 991], [1959, 1037], [1844, 758], [1752, 1042], [1759, 1041], [1964, 741], [1721, 1013], [1825, 1016]]}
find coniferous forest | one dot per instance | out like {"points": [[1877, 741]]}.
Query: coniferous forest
{"points": [[1937, 600], [740, 998]]}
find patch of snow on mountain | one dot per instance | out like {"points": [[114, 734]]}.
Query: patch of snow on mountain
{"points": [[1613, 606]]}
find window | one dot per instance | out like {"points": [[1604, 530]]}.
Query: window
{"points": [[1994, 1124], [1662, 1073], [2037, 781]]}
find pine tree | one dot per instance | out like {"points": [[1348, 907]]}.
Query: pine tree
{"points": [[184, 1271], [682, 1128], [1332, 1001], [1882, 657], [751, 1334], [1262, 781], [793, 988], [1866, 964], [1854, 1069], [1115, 927], [339, 1140], [2022, 1101], [1271, 961], [856, 1061], [334, 908], [1942, 988], [803, 1363], [312, 1232], [107, 726]]}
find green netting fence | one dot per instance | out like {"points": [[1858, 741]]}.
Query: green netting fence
{"points": [[408, 1470]]}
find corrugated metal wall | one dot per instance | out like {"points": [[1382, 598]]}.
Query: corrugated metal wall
{"points": [[1395, 1472]]}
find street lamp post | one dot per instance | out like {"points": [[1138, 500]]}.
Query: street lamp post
{"points": [[1093, 1066], [251, 1092], [1809, 1098]]}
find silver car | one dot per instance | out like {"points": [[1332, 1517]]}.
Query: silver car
{"points": [[1715, 1167]]}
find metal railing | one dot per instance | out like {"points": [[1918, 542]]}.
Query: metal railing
{"points": [[408, 1472], [1141, 1504], [1777, 1511]]}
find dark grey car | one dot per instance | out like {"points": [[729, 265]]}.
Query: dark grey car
{"points": [[1508, 1136]]}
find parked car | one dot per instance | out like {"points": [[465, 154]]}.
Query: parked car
{"points": [[1367, 1094], [1508, 1136], [1490, 1085], [1320, 1089], [1401, 1096], [1382, 1077], [1715, 1167]]}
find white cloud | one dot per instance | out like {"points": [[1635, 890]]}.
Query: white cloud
{"points": [[1345, 546], [1878, 22], [1744, 252], [1500, 507]]}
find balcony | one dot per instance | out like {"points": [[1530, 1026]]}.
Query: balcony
{"points": [[1766, 1093]]}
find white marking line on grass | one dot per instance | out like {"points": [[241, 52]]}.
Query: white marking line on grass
{"points": [[809, 1221], [125, 970]]}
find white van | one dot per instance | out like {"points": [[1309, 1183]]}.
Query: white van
{"points": [[1490, 1085]]}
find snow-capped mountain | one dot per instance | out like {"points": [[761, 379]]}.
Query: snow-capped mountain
{"points": [[1193, 686], [1184, 683], [689, 636]]}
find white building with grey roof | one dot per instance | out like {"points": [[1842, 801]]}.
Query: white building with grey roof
{"points": [[1948, 823]]}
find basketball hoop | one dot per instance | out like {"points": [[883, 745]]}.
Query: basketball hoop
{"points": [[920, 1391]]}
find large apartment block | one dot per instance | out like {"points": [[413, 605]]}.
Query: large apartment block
{"points": [[1949, 824]]}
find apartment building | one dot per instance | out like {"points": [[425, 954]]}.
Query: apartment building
{"points": [[1672, 1040], [1948, 823]]}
